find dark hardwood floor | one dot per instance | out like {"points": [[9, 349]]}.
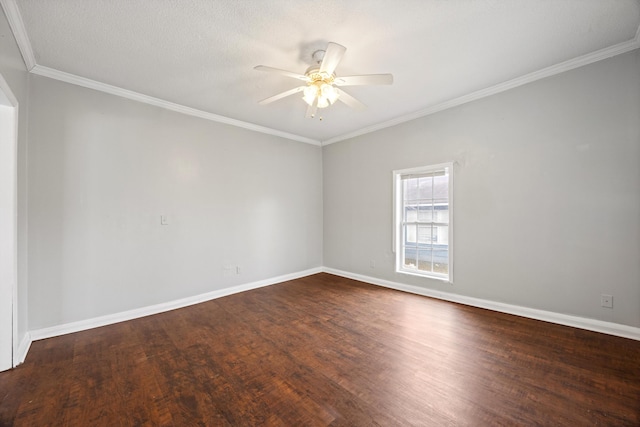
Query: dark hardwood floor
{"points": [[324, 350]]}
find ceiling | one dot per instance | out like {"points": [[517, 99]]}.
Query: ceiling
{"points": [[197, 56]]}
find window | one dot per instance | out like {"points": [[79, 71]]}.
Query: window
{"points": [[422, 221]]}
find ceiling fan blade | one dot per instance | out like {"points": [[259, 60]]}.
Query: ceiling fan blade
{"points": [[350, 100], [332, 57], [282, 95], [312, 109], [279, 71], [368, 79]]}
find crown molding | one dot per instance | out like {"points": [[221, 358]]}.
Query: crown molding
{"points": [[7, 98], [19, 32], [580, 61], [135, 96], [17, 27]]}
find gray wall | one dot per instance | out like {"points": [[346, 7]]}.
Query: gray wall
{"points": [[14, 72], [546, 193], [102, 170]]}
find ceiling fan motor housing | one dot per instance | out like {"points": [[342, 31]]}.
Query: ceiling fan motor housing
{"points": [[318, 56]]}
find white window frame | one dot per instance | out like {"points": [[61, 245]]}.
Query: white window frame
{"points": [[398, 220]]}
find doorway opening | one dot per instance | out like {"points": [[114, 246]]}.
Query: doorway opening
{"points": [[8, 226]]}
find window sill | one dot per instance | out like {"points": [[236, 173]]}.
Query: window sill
{"points": [[426, 276]]}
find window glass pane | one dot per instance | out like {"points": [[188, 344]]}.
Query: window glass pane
{"points": [[441, 261], [424, 234], [441, 213], [410, 189], [441, 235], [411, 213], [409, 257], [425, 187], [410, 235], [441, 188], [425, 212], [424, 259]]}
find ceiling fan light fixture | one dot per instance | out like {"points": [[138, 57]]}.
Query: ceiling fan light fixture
{"points": [[309, 94], [322, 102], [324, 91], [329, 91]]}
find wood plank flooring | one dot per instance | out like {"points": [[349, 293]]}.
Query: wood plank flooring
{"points": [[325, 350]]}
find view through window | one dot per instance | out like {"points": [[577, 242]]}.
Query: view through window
{"points": [[423, 226]]}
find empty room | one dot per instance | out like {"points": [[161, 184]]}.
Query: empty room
{"points": [[319, 213]]}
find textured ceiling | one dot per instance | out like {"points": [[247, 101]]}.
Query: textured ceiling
{"points": [[201, 53]]}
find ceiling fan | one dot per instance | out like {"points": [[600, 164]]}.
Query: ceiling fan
{"points": [[322, 86]]}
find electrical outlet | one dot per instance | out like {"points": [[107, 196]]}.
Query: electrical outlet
{"points": [[372, 264], [606, 301]]}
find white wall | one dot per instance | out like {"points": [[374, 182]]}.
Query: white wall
{"points": [[102, 170], [546, 191], [15, 74]]}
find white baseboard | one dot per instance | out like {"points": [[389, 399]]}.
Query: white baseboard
{"points": [[547, 316], [109, 319], [22, 350]]}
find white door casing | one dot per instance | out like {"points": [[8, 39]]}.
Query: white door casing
{"points": [[8, 226]]}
